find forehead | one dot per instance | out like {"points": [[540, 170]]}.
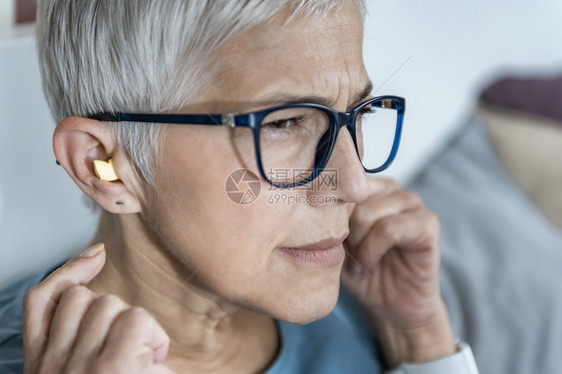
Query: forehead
{"points": [[309, 56]]}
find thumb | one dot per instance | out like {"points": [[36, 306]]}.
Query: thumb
{"points": [[352, 274], [78, 270], [354, 277]]}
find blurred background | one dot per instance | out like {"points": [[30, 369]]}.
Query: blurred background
{"points": [[438, 54]]}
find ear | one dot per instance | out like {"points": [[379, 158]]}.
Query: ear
{"points": [[77, 142]]}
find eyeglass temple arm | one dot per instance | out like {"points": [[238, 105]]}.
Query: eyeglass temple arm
{"points": [[183, 119]]}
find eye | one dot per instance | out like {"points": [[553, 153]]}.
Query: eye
{"points": [[283, 123], [367, 110]]}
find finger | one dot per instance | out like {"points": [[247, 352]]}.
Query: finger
{"points": [[41, 301], [401, 250], [94, 329], [71, 309], [136, 335], [407, 232], [366, 214]]}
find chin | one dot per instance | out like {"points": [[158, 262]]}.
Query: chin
{"points": [[307, 307]]}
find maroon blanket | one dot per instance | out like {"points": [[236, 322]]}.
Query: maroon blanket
{"points": [[541, 96]]}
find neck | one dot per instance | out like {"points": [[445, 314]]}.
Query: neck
{"points": [[207, 333]]}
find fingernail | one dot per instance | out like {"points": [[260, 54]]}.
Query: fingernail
{"points": [[92, 251], [161, 353]]}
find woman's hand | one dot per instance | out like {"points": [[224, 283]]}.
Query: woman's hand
{"points": [[393, 269], [69, 329]]}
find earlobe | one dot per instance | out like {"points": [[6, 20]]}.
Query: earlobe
{"points": [[79, 144]]}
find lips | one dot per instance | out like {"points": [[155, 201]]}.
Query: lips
{"points": [[328, 252]]}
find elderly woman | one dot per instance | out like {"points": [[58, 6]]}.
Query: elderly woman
{"points": [[228, 144]]}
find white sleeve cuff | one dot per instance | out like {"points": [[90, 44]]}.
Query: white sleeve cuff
{"points": [[461, 362]]}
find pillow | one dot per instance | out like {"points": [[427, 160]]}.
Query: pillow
{"points": [[530, 147], [524, 120]]}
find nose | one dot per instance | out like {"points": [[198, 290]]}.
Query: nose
{"points": [[352, 183]]}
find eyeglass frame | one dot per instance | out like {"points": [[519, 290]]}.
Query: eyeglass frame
{"points": [[254, 120]]}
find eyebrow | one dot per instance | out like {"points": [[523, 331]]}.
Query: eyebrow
{"points": [[357, 98]]}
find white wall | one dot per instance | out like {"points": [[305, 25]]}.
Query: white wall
{"points": [[6, 13], [42, 215], [452, 48], [455, 48]]}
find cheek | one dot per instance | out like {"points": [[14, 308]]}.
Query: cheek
{"points": [[231, 249], [248, 270], [231, 246]]}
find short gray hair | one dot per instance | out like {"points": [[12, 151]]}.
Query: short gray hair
{"points": [[142, 56]]}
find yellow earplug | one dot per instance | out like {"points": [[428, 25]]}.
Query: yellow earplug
{"points": [[105, 170]]}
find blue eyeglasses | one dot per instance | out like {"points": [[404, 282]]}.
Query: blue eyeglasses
{"points": [[293, 143]]}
